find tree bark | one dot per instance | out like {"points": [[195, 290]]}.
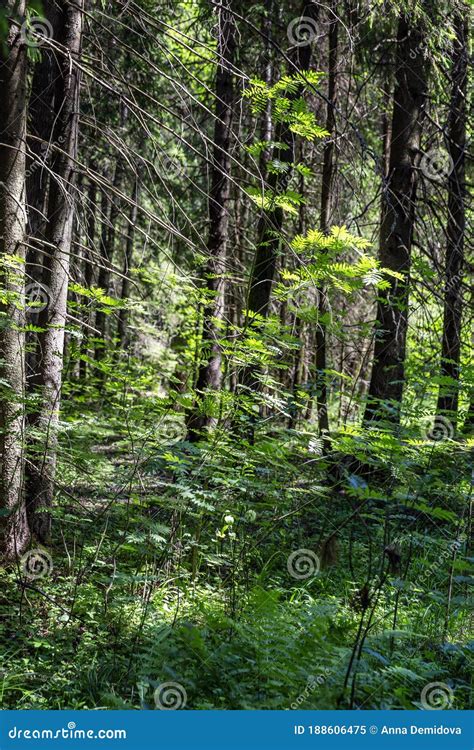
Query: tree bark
{"points": [[40, 127], [14, 532], [327, 204], [41, 114], [58, 234], [267, 121], [456, 224], [397, 223], [210, 368]]}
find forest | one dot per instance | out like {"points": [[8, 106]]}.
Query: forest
{"points": [[236, 371]]}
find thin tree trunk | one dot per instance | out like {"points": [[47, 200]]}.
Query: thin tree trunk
{"points": [[298, 326], [40, 127], [123, 313], [396, 232], [40, 142], [267, 123], [14, 532], [210, 370], [451, 343], [327, 203], [58, 234], [386, 64]]}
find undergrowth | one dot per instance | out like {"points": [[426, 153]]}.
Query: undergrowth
{"points": [[171, 564]]}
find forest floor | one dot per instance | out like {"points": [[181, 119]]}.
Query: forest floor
{"points": [[246, 575]]}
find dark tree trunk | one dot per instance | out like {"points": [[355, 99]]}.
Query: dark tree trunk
{"points": [[327, 203], [122, 333], [386, 131], [210, 369], [40, 143], [267, 123], [396, 232], [298, 327], [58, 234], [327, 199], [40, 127], [451, 344], [14, 532]]}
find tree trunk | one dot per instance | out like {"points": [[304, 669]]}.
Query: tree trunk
{"points": [[451, 344], [123, 313], [14, 532], [58, 234], [396, 232], [210, 370], [327, 203], [266, 130], [41, 115]]}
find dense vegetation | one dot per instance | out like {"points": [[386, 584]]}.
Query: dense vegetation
{"points": [[236, 375]]}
